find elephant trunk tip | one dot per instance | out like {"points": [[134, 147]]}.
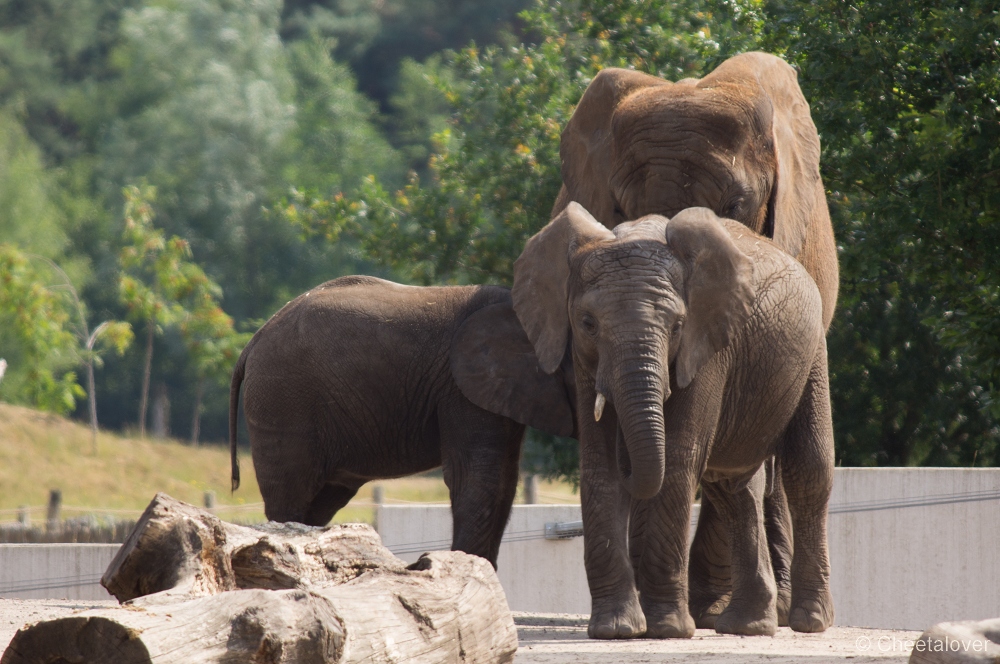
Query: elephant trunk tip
{"points": [[644, 490]]}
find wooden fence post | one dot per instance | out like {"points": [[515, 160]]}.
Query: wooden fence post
{"points": [[52, 514]]}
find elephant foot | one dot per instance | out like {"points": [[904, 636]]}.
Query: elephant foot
{"points": [[784, 605], [668, 621], [616, 619], [812, 615], [747, 622], [706, 613]]}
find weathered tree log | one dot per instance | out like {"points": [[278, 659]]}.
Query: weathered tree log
{"points": [[964, 642], [181, 549], [202, 590]]}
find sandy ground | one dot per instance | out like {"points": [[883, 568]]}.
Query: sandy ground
{"points": [[561, 639]]}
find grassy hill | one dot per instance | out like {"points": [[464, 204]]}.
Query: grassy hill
{"points": [[40, 451]]}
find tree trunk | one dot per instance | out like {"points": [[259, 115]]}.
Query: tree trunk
{"points": [[203, 590], [161, 412], [92, 403], [199, 393], [147, 369]]}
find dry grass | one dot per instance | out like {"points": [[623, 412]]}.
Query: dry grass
{"points": [[39, 452]]}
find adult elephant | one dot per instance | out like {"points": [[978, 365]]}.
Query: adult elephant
{"points": [[740, 142]]}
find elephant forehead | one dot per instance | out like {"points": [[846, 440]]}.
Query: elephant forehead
{"points": [[628, 262], [685, 113]]}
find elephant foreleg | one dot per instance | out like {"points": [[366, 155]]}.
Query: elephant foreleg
{"points": [[480, 452], [615, 609]]}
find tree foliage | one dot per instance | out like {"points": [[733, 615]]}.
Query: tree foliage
{"points": [[163, 287], [907, 112], [224, 106], [41, 373], [906, 104]]}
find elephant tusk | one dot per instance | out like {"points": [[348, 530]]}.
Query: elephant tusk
{"points": [[599, 407]]}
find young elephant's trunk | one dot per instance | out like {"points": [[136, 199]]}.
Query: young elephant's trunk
{"points": [[639, 404]]}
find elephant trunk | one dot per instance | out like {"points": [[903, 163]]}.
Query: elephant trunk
{"points": [[639, 404]]}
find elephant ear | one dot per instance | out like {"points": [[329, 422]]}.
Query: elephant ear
{"points": [[585, 146], [718, 288], [541, 280], [797, 194], [495, 367]]}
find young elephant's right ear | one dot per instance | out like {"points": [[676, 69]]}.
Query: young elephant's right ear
{"points": [[541, 280]]}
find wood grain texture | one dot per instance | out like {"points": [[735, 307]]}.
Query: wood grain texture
{"points": [[188, 551], [962, 642], [201, 590]]}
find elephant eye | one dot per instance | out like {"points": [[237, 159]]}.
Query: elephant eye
{"points": [[589, 324], [734, 208], [678, 324]]}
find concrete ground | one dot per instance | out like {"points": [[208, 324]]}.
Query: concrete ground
{"points": [[562, 638]]}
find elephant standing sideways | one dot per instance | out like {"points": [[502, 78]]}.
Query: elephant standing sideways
{"points": [[702, 347], [741, 142], [362, 379]]}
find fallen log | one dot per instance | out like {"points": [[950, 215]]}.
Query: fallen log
{"points": [[198, 589], [179, 548], [960, 642]]}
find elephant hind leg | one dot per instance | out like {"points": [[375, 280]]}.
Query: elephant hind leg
{"points": [[709, 576], [751, 609], [778, 524], [330, 500], [289, 477], [807, 462]]}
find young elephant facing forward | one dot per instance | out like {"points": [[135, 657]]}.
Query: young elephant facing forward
{"points": [[702, 349], [362, 379]]}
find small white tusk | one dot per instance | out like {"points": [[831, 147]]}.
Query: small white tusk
{"points": [[599, 407]]}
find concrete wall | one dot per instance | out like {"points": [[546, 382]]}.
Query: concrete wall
{"points": [[54, 571], [909, 547], [537, 575]]}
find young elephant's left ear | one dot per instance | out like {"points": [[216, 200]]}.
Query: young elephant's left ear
{"points": [[718, 288], [495, 367]]}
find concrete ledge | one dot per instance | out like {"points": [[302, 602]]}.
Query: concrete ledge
{"points": [[54, 571]]}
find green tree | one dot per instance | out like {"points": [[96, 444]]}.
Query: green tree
{"points": [[163, 287], [156, 275], [906, 104], [41, 372], [113, 333], [212, 342]]}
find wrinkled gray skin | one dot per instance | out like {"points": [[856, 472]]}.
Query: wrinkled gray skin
{"points": [[362, 379], [707, 345], [741, 142]]}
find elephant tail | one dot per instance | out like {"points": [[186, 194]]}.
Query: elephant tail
{"points": [[234, 409]]}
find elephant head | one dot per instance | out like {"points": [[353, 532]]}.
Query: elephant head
{"points": [[649, 297], [740, 142]]}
